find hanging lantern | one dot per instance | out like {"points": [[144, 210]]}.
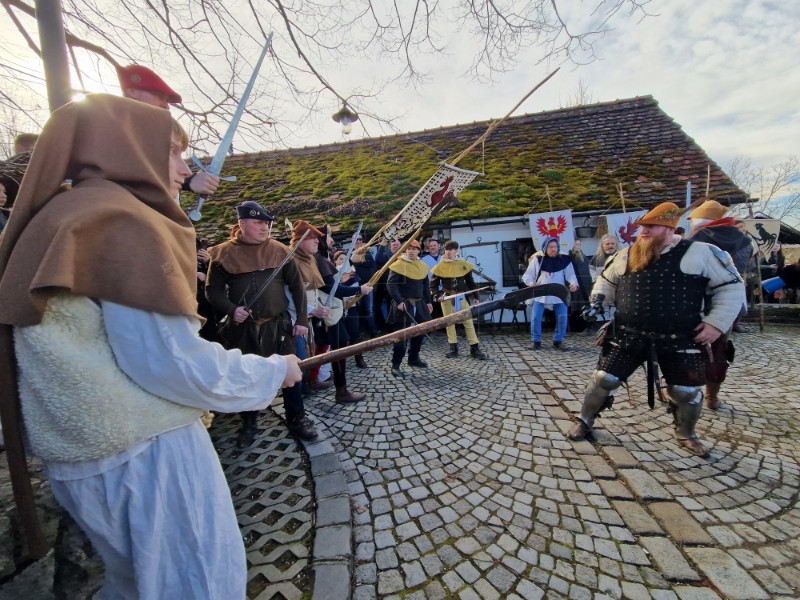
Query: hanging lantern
{"points": [[346, 118]]}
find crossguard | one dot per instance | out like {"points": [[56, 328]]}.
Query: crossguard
{"points": [[200, 166]]}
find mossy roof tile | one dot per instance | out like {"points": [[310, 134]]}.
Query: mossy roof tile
{"points": [[581, 154]]}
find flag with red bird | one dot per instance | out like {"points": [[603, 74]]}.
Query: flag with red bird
{"points": [[556, 224]]}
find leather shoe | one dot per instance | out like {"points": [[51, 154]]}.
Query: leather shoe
{"points": [[345, 396], [417, 362], [536, 346], [317, 386], [360, 363], [302, 427], [579, 431], [695, 447], [397, 372]]}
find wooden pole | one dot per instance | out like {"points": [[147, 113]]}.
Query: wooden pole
{"points": [[386, 340], [549, 199], [708, 180], [621, 196], [495, 124], [34, 542], [379, 273]]}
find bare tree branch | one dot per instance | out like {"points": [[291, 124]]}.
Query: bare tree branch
{"points": [[213, 45]]}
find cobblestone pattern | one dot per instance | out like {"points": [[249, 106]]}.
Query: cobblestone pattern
{"points": [[272, 493], [463, 483]]}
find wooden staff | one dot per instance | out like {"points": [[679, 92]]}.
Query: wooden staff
{"points": [[35, 544], [708, 180], [549, 199], [621, 196], [509, 300], [386, 340]]}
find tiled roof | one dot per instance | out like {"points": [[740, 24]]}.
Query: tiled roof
{"points": [[579, 153]]}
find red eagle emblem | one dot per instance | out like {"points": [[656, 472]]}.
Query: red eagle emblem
{"points": [[627, 232], [551, 229]]}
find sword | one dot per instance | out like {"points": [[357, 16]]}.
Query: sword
{"points": [[338, 278], [451, 296], [509, 300], [226, 322], [215, 168]]}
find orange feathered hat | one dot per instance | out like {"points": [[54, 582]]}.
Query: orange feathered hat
{"points": [[667, 214]]}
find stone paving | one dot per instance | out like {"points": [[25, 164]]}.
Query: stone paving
{"points": [[462, 483], [458, 482]]}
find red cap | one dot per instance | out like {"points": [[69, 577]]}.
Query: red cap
{"points": [[142, 78], [414, 244]]}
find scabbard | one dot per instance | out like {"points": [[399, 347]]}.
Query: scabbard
{"points": [[652, 376]]}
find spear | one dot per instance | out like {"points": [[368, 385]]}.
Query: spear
{"points": [[507, 301]]}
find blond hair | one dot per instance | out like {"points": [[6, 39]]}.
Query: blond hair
{"points": [[180, 133]]}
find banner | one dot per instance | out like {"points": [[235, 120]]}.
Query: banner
{"points": [[764, 232], [556, 224], [430, 200], [621, 226]]}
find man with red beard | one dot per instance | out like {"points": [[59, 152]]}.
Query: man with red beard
{"points": [[659, 287]]}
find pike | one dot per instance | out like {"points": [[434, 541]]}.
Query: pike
{"points": [[509, 300], [215, 168], [446, 192]]}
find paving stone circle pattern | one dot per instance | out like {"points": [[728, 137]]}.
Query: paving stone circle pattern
{"points": [[462, 483]]}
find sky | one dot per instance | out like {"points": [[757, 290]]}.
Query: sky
{"points": [[723, 69]]}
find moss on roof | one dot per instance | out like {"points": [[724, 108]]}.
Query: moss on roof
{"points": [[580, 154]]}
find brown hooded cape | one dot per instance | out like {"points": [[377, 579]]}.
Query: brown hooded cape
{"points": [[117, 235]]}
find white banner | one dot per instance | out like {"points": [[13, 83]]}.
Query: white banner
{"points": [[621, 226], [556, 224], [765, 232], [432, 198]]}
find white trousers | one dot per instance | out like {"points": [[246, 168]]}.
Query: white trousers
{"points": [[163, 522]]}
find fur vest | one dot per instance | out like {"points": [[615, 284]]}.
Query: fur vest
{"points": [[77, 403]]}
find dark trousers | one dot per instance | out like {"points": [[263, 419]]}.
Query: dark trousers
{"points": [[678, 368], [273, 337], [414, 344]]}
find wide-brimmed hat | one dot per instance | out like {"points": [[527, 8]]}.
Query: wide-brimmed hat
{"points": [[710, 209], [666, 214], [142, 78], [300, 227], [253, 210]]}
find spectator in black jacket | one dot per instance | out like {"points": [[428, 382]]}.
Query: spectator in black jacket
{"points": [[381, 297]]}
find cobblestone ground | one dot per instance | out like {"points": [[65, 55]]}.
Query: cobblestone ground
{"points": [[272, 493], [463, 484]]}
